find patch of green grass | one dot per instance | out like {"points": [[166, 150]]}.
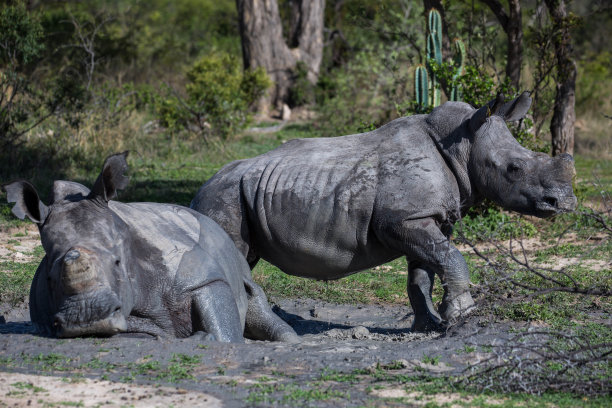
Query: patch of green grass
{"points": [[20, 385], [96, 363], [550, 308], [494, 224], [48, 362], [564, 249], [7, 219], [428, 386], [7, 361], [338, 376], [15, 280], [595, 178], [38, 252], [384, 284], [467, 349], [291, 393], [433, 360], [148, 367], [180, 368]]}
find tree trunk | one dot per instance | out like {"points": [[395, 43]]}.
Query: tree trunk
{"points": [[512, 24], [564, 115], [263, 44]]}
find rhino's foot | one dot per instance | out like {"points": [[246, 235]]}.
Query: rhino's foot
{"points": [[420, 283], [453, 309], [428, 322], [273, 331], [203, 336], [261, 322], [288, 336]]}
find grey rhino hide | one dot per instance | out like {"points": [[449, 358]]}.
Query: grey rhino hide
{"points": [[325, 208], [160, 269]]}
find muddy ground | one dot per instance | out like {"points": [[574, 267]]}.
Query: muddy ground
{"points": [[350, 355], [141, 371]]}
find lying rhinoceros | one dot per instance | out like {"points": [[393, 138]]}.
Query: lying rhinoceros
{"points": [[328, 207], [161, 269]]}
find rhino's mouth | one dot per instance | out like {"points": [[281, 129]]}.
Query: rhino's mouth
{"points": [[550, 205], [547, 207], [92, 313], [112, 324]]}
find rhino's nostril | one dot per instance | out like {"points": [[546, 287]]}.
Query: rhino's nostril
{"points": [[552, 201]]}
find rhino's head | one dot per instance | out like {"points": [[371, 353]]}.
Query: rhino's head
{"points": [[85, 276], [515, 177]]}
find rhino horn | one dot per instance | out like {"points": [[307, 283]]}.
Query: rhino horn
{"points": [[77, 275]]}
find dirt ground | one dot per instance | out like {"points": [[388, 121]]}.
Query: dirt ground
{"points": [[338, 362], [138, 371]]}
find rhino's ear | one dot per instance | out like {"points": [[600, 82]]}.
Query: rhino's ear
{"points": [[493, 107], [515, 109], [112, 177], [68, 190], [26, 200]]}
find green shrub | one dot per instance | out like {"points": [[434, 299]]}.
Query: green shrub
{"points": [[218, 95], [355, 98], [20, 103]]}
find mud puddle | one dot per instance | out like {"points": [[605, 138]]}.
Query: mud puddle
{"points": [[343, 348]]}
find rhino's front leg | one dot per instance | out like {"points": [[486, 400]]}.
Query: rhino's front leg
{"points": [[429, 251], [218, 313]]}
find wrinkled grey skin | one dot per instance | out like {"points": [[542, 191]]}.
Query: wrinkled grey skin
{"points": [[111, 267], [329, 207]]}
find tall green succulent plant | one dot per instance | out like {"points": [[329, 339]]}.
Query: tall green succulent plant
{"points": [[434, 53], [420, 86], [426, 84], [459, 67]]}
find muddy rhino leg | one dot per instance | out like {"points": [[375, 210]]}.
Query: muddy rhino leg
{"points": [[218, 313], [261, 322], [426, 247], [420, 287]]}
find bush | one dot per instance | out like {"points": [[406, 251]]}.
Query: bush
{"points": [[217, 99], [20, 104]]}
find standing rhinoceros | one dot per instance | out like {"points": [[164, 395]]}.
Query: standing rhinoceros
{"points": [[161, 269], [328, 207]]}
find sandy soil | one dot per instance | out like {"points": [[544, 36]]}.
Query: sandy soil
{"points": [[30, 390], [18, 244]]}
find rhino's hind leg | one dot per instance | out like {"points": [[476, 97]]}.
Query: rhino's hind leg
{"points": [[218, 313], [420, 286], [261, 322]]}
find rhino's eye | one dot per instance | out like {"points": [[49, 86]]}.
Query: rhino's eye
{"points": [[514, 168], [118, 262]]}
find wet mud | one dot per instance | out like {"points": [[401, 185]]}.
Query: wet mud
{"points": [[337, 340]]}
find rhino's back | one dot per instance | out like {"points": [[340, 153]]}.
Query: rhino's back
{"points": [[190, 248]]}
